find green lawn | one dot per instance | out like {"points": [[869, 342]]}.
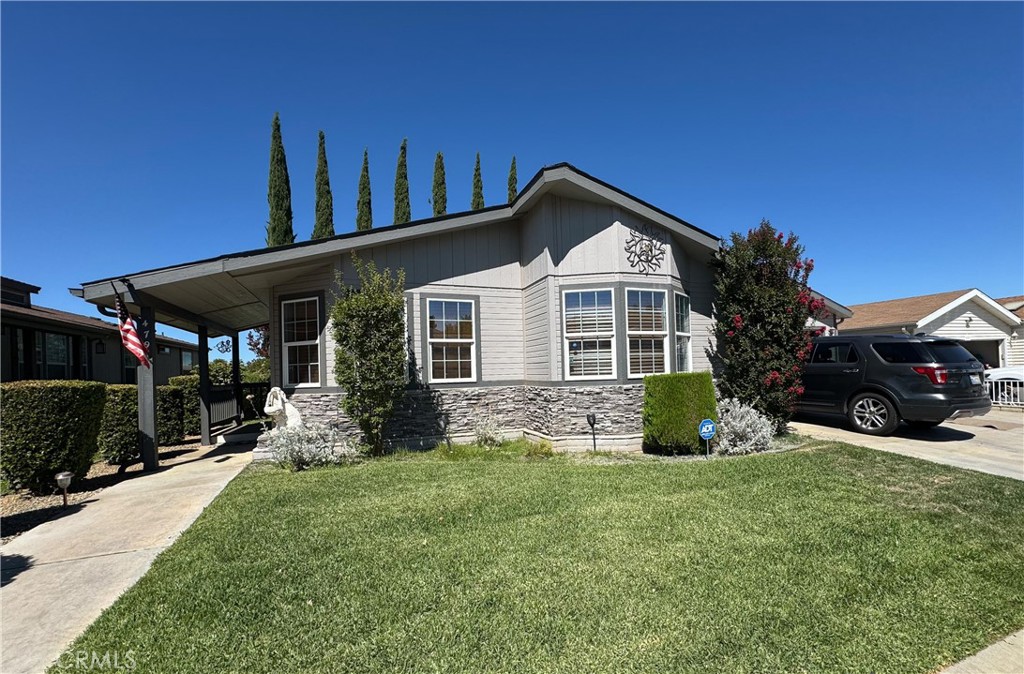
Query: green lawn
{"points": [[828, 558]]}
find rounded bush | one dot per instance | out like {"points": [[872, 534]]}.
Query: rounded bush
{"points": [[674, 405], [49, 427], [742, 429]]}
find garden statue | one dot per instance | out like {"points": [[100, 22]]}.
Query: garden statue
{"points": [[281, 410]]}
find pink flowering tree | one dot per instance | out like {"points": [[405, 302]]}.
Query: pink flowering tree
{"points": [[761, 311]]}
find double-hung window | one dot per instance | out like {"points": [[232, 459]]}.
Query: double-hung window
{"points": [[682, 333], [589, 332], [647, 332], [451, 340], [300, 343]]}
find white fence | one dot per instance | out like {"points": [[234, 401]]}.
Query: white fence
{"points": [[1006, 392]]}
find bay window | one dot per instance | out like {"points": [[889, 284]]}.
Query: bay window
{"points": [[682, 333], [589, 334], [646, 331]]}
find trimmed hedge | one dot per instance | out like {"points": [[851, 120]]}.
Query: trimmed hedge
{"points": [[189, 385], [674, 405], [118, 439], [49, 427]]}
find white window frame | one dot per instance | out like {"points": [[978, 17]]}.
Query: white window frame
{"points": [[285, 345], [461, 340], [584, 336], [688, 334], [664, 334]]}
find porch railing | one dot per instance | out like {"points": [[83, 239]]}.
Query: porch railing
{"points": [[223, 406], [1006, 392]]}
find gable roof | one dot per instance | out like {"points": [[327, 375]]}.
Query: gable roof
{"points": [[226, 291], [82, 323], [918, 311]]}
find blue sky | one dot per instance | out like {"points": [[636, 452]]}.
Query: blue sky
{"points": [[887, 136]]}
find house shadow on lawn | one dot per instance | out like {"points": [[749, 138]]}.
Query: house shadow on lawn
{"points": [[941, 433]]}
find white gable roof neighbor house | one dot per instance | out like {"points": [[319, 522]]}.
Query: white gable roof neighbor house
{"points": [[528, 315], [988, 328]]}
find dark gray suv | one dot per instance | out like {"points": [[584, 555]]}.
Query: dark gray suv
{"points": [[877, 380]]}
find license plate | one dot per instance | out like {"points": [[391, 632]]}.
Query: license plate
{"points": [[976, 379]]}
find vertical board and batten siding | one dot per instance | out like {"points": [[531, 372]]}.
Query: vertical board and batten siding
{"points": [[537, 333], [985, 326], [319, 281]]}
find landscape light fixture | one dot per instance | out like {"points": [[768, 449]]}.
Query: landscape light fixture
{"points": [[64, 481], [592, 420]]}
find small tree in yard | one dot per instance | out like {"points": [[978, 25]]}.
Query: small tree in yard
{"points": [[763, 303], [368, 325]]}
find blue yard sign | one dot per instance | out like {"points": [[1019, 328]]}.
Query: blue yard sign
{"points": [[707, 429]]}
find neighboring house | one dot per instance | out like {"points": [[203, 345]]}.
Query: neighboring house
{"points": [[525, 316], [988, 328], [42, 343]]}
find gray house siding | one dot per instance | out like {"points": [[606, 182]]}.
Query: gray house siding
{"points": [[515, 272]]}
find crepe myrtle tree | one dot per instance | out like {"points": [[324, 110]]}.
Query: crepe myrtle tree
{"points": [[369, 331], [762, 309]]}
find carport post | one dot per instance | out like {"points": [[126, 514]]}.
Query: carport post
{"points": [[204, 385], [145, 378], [236, 376]]}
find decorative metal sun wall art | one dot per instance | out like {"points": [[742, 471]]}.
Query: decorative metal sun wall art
{"points": [[645, 248]]}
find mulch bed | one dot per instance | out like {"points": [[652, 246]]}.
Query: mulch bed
{"points": [[21, 511]]}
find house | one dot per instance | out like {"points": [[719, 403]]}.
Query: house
{"points": [[42, 343], [990, 329], [529, 315]]}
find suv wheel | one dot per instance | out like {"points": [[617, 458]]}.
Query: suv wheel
{"points": [[873, 414]]}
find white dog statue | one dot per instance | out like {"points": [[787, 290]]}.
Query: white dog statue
{"points": [[281, 411]]}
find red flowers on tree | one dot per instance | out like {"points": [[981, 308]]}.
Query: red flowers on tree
{"points": [[763, 304]]}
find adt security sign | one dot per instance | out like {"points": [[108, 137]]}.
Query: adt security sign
{"points": [[707, 430]]}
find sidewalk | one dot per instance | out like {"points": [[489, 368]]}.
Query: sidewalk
{"points": [[1005, 656], [59, 577]]}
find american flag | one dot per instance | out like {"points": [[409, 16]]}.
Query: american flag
{"points": [[129, 335]]}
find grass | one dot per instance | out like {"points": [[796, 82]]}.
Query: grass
{"points": [[826, 558]]}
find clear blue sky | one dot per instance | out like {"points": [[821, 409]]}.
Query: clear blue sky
{"points": [[887, 136]]}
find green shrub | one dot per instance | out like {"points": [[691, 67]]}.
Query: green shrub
{"points": [[118, 439], [49, 427], [189, 385], [674, 405], [170, 415]]}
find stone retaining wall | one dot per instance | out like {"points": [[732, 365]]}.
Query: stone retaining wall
{"points": [[555, 412]]}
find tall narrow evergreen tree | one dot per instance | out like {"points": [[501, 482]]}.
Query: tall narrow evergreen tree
{"points": [[324, 225], [478, 186], [403, 210], [364, 209], [279, 192], [513, 181], [440, 196]]}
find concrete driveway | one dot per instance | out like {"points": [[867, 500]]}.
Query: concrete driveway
{"points": [[58, 577], [992, 444]]}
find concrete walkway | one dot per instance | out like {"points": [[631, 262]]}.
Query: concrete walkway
{"points": [[59, 577], [992, 444], [1005, 656]]}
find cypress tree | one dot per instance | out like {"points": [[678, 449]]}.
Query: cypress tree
{"points": [[513, 188], [279, 192], [324, 225], [440, 199], [478, 186], [364, 210], [403, 211]]}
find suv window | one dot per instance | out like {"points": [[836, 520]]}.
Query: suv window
{"points": [[834, 353], [902, 352], [950, 352]]}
